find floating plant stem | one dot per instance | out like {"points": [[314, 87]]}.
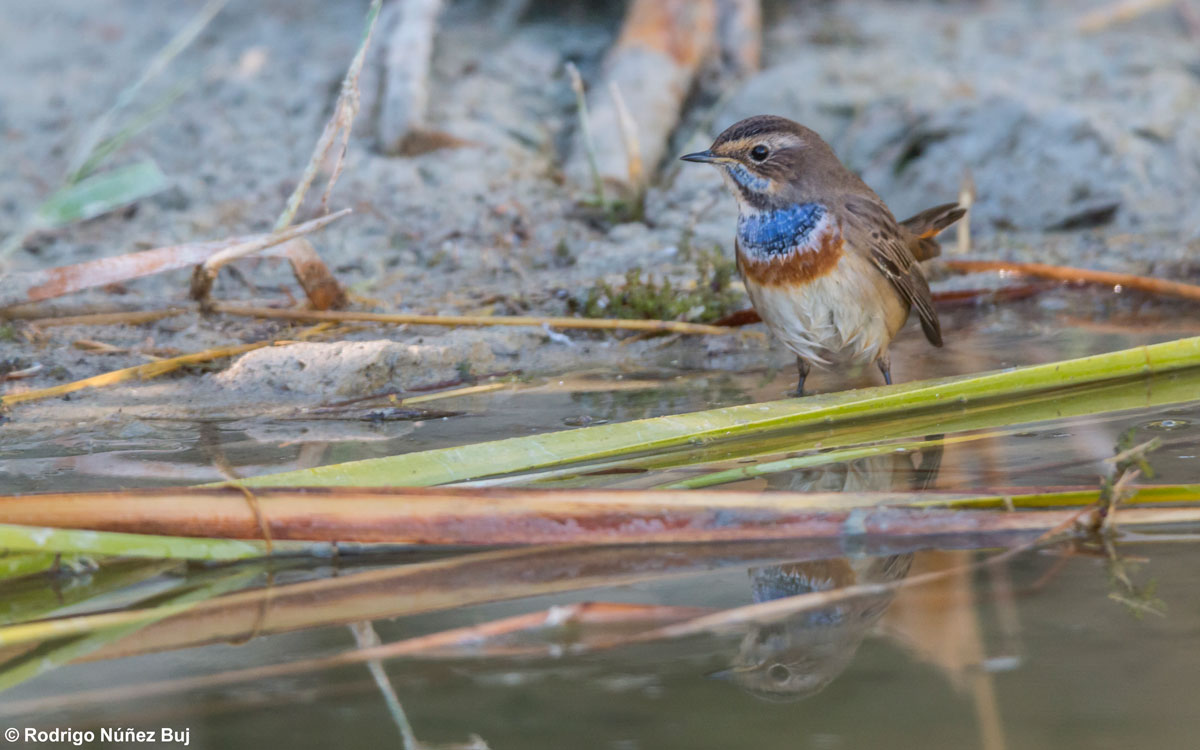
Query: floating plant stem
{"points": [[926, 405]]}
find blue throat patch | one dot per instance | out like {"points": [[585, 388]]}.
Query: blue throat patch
{"points": [[778, 232], [743, 177]]}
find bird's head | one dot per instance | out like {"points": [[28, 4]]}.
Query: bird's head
{"points": [[769, 161]]}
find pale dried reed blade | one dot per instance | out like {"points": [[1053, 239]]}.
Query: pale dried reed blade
{"points": [[407, 60], [662, 46]]}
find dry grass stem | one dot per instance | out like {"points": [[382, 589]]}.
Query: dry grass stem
{"points": [[454, 393], [966, 199], [344, 113], [206, 274], [140, 372], [367, 640], [342, 119], [596, 324], [629, 137], [97, 347], [28, 372], [179, 42], [340, 124], [586, 141], [106, 319]]}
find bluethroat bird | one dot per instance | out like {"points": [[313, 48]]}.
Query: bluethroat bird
{"points": [[798, 656], [827, 266]]}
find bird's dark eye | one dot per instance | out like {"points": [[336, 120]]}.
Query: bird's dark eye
{"points": [[759, 152], [779, 673]]}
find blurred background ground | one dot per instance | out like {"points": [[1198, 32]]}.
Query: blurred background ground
{"points": [[1084, 147]]}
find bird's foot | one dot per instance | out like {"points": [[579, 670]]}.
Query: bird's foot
{"points": [[802, 369], [885, 366]]}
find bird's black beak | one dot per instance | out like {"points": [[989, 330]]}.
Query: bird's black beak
{"points": [[704, 157]]}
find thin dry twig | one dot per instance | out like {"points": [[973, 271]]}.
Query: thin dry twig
{"points": [[345, 111], [586, 142], [470, 390], [598, 324], [342, 119], [27, 372], [179, 42], [1077, 275], [97, 347], [966, 199], [479, 639], [216, 454], [371, 650], [437, 585], [341, 123], [206, 273], [140, 372], [367, 639], [43, 284], [629, 136], [133, 318]]}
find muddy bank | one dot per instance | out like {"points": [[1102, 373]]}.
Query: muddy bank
{"points": [[1084, 149]]}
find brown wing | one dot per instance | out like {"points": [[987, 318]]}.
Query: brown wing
{"points": [[871, 228]]}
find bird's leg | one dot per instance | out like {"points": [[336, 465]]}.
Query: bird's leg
{"points": [[885, 366], [802, 368]]}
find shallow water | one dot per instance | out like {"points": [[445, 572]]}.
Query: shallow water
{"points": [[1055, 325], [1077, 647], [1032, 654]]}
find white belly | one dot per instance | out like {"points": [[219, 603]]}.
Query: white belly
{"points": [[848, 316]]}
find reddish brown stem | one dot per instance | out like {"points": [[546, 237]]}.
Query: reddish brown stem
{"points": [[499, 516], [1081, 275], [474, 637]]}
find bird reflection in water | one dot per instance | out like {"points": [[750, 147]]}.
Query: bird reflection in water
{"points": [[797, 657]]}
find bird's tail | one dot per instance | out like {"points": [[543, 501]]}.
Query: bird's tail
{"points": [[926, 225]]}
